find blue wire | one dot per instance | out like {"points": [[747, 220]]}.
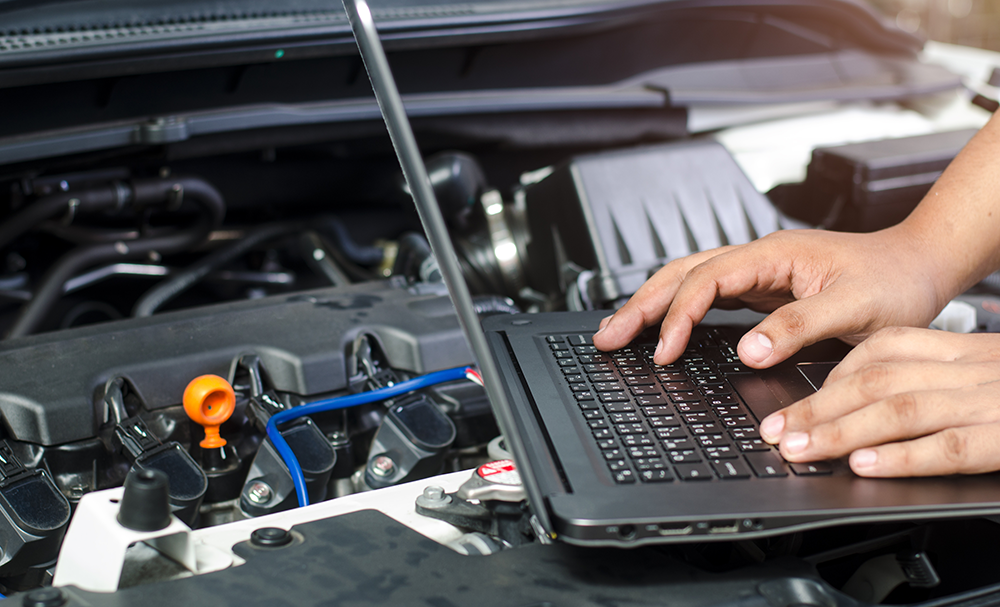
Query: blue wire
{"points": [[342, 402]]}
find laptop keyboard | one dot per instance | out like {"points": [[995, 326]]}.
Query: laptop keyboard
{"points": [[678, 422]]}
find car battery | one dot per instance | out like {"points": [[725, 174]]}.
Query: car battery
{"points": [[863, 187]]}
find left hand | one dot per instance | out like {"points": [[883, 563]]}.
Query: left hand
{"points": [[905, 402]]}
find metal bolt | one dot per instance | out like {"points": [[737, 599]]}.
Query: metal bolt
{"points": [[121, 248], [434, 493], [259, 492], [383, 465]]}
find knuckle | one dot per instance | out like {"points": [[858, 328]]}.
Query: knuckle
{"points": [[903, 410], [874, 378], [954, 446], [794, 322]]}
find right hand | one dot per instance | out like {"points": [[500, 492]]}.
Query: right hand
{"points": [[814, 284]]}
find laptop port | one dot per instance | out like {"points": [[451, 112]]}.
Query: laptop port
{"points": [[675, 529], [626, 532], [724, 527]]}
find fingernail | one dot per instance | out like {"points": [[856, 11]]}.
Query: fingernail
{"points": [[796, 442], [604, 323], [756, 346], [864, 458], [771, 427], [659, 348]]}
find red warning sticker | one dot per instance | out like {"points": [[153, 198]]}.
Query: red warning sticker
{"points": [[502, 471]]}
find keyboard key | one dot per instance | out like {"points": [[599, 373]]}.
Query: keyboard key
{"points": [[625, 418], [623, 477], [603, 433], [737, 421], [766, 464], [588, 359], [554, 339], [731, 469], [678, 444], [634, 371], [619, 407], [693, 472], [721, 399], [579, 387], [608, 386], [575, 378], [579, 340], [566, 362], [596, 424], [671, 433], [587, 404], [689, 396], [707, 378], [731, 369], [658, 411], [607, 443], [643, 452], [559, 347], [684, 456], [728, 410], [696, 417], [752, 445], [671, 376], [637, 440], [585, 350], [705, 428], [691, 407], [650, 400], [812, 469], [617, 464], [745, 433], [598, 368], [644, 390], [720, 391], [596, 377], [563, 354], [721, 452], [677, 386], [615, 453], [660, 475], [713, 440], [639, 380], [613, 397], [571, 371], [592, 414], [630, 428]]}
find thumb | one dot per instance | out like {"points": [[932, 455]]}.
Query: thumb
{"points": [[794, 326]]}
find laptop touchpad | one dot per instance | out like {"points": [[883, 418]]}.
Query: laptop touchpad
{"points": [[815, 373]]}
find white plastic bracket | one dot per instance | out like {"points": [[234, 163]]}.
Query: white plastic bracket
{"points": [[93, 551]]}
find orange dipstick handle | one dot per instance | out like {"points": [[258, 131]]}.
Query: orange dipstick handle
{"points": [[209, 400]]}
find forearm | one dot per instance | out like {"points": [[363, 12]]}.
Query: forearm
{"points": [[957, 225]]}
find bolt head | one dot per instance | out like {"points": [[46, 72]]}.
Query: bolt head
{"points": [[259, 492], [383, 465], [434, 493]]}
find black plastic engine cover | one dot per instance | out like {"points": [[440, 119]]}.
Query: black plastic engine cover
{"points": [[49, 381]]}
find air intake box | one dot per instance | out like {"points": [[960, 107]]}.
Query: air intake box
{"points": [[619, 216]]}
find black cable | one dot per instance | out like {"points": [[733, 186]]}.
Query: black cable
{"points": [[51, 284], [159, 295], [359, 254]]}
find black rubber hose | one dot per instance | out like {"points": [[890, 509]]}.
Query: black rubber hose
{"points": [[359, 254], [101, 198], [51, 284], [155, 298]]}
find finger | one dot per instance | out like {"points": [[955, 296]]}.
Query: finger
{"points": [[967, 450], [869, 385], [723, 277], [795, 325], [649, 304], [901, 416], [902, 344]]}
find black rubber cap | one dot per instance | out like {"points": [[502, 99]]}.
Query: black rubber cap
{"points": [[44, 597], [270, 537], [146, 502]]}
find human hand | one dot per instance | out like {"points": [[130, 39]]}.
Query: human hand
{"points": [[905, 402], [815, 284]]}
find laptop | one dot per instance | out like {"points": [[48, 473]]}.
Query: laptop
{"points": [[616, 451]]}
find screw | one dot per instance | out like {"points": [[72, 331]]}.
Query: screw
{"points": [[259, 492], [383, 466]]}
